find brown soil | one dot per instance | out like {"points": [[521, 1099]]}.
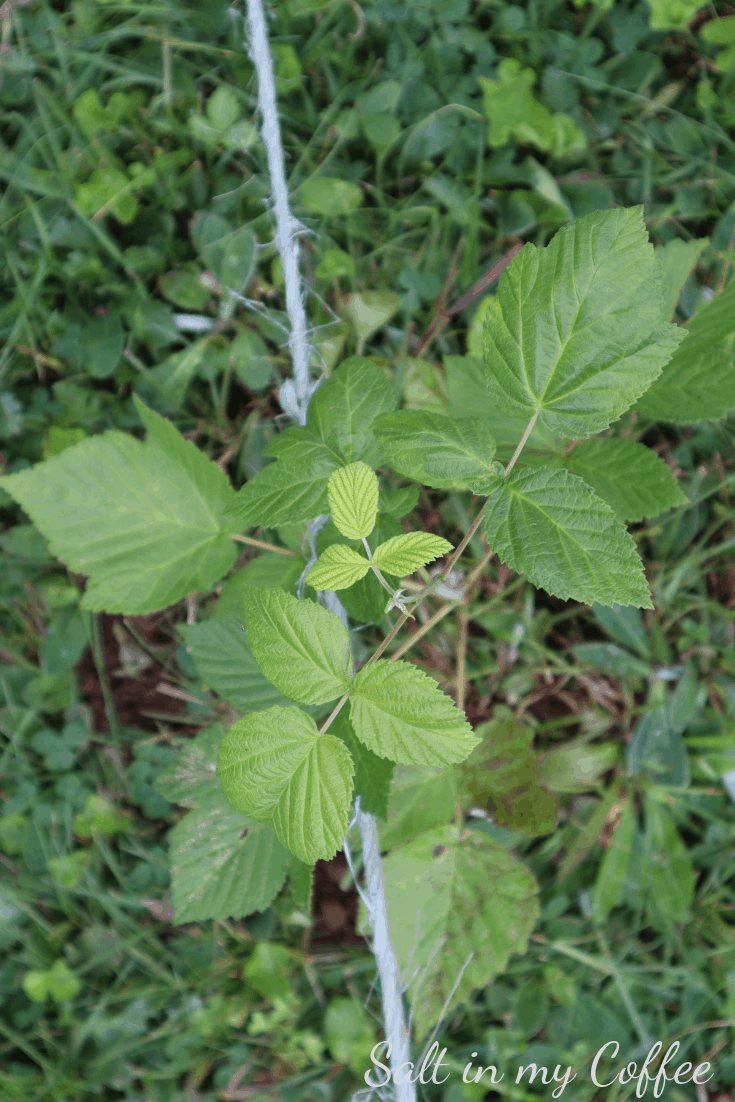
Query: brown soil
{"points": [[335, 911]]}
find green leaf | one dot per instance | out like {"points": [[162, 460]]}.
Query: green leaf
{"points": [[369, 311], [301, 886], [436, 450], [223, 865], [338, 568], [400, 713], [404, 554], [677, 259], [611, 659], [513, 111], [275, 767], [627, 475], [576, 332], [191, 779], [221, 653], [422, 797], [302, 648], [614, 866], [329, 197], [672, 14], [501, 773], [550, 526], [575, 767], [269, 569], [373, 775], [670, 876], [287, 492], [365, 601], [342, 412], [400, 502], [449, 895], [657, 749], [353, 500], [144, 521], [625, 626]]}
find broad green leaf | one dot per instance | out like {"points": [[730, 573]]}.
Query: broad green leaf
{"points": [[191, 780], [350, 1034], [373, 775], [624, 625], [287, 492], [301, 877], [672, 14], [576, 332], [657, 749], [353, 500], [513, 111], [573, 768], [342, 411], [436, 450], [676, 260], [502, 772], [338, 568], [144, 521], [399, 502], [614, 866], [670, 876], [611, 659], [223, 865], [275, 767], [302, 648], [369, 311], [400, 713], [300, 447], [627, 475], [452, 894], [550, 526], [330, 197], [269, 569], [220, 651], [404, 554], [422, 797]]}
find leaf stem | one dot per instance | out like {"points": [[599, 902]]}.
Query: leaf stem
{"points": [[422, 631], [375, 570], [262, 545], [521, 443], [461, 655], [333, 714]]}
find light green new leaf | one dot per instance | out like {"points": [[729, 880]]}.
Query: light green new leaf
{"points": [[699, 382], [223, 865], [353, 500], [550, 526], [627, 475], [338, 568], [221, 653], [404, 554], [342, 411], [453, 895], [436, 450], [302, 648], [373, 775], [577, 332], [400, 713], [275, 767], [144, 521]]}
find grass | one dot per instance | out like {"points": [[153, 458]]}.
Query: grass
{"points": [[116, 123]]}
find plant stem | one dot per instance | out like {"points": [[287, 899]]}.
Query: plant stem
{"points": [[422, 631], [461, 655], [333, 714], [99, 664], [262, 545], [521, 443], [375, 570], [462, 544]]}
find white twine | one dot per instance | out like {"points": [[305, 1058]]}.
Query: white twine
{"points": [[294, 398]]}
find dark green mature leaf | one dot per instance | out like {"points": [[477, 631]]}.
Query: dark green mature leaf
{"points": [[275, 767], [286, 492], [550, 526], [627, 475], [302, 648], [577, 332], [400, 713], [451, 894], [501, 772], [145, 521], [676, 260], [342, 411], [221, 653], [373, 775], [223, 865], [436, 450]]}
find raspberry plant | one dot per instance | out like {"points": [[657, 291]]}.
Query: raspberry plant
{"points": [[577, 335]]}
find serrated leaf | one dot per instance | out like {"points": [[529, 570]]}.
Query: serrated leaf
{"points": [[373, 775], [338, 568], [550, 526], [286, 492], [404, 554], [450, 895], [365, 601], [302, 648], [223, 865], [342, 411], [576, 332], [400, 713], [501, 774], [275, 767], [144, 521], [353, 500], [191, 780], [627, 475], [220, 651], [438, 451]]}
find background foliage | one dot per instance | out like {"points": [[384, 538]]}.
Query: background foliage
{"points": [[134, 188]]}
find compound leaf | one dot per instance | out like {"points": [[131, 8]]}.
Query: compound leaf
{"points": [[302, 648], [145, 521], [353, 500], [436, 450], [627, 475], [400, 713], [404, 554], [223, 865], [373, 775], [342, 411], [577, 332], [550, 526], [338, 567], [275, 767], [287, 492], [223, 659]]}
